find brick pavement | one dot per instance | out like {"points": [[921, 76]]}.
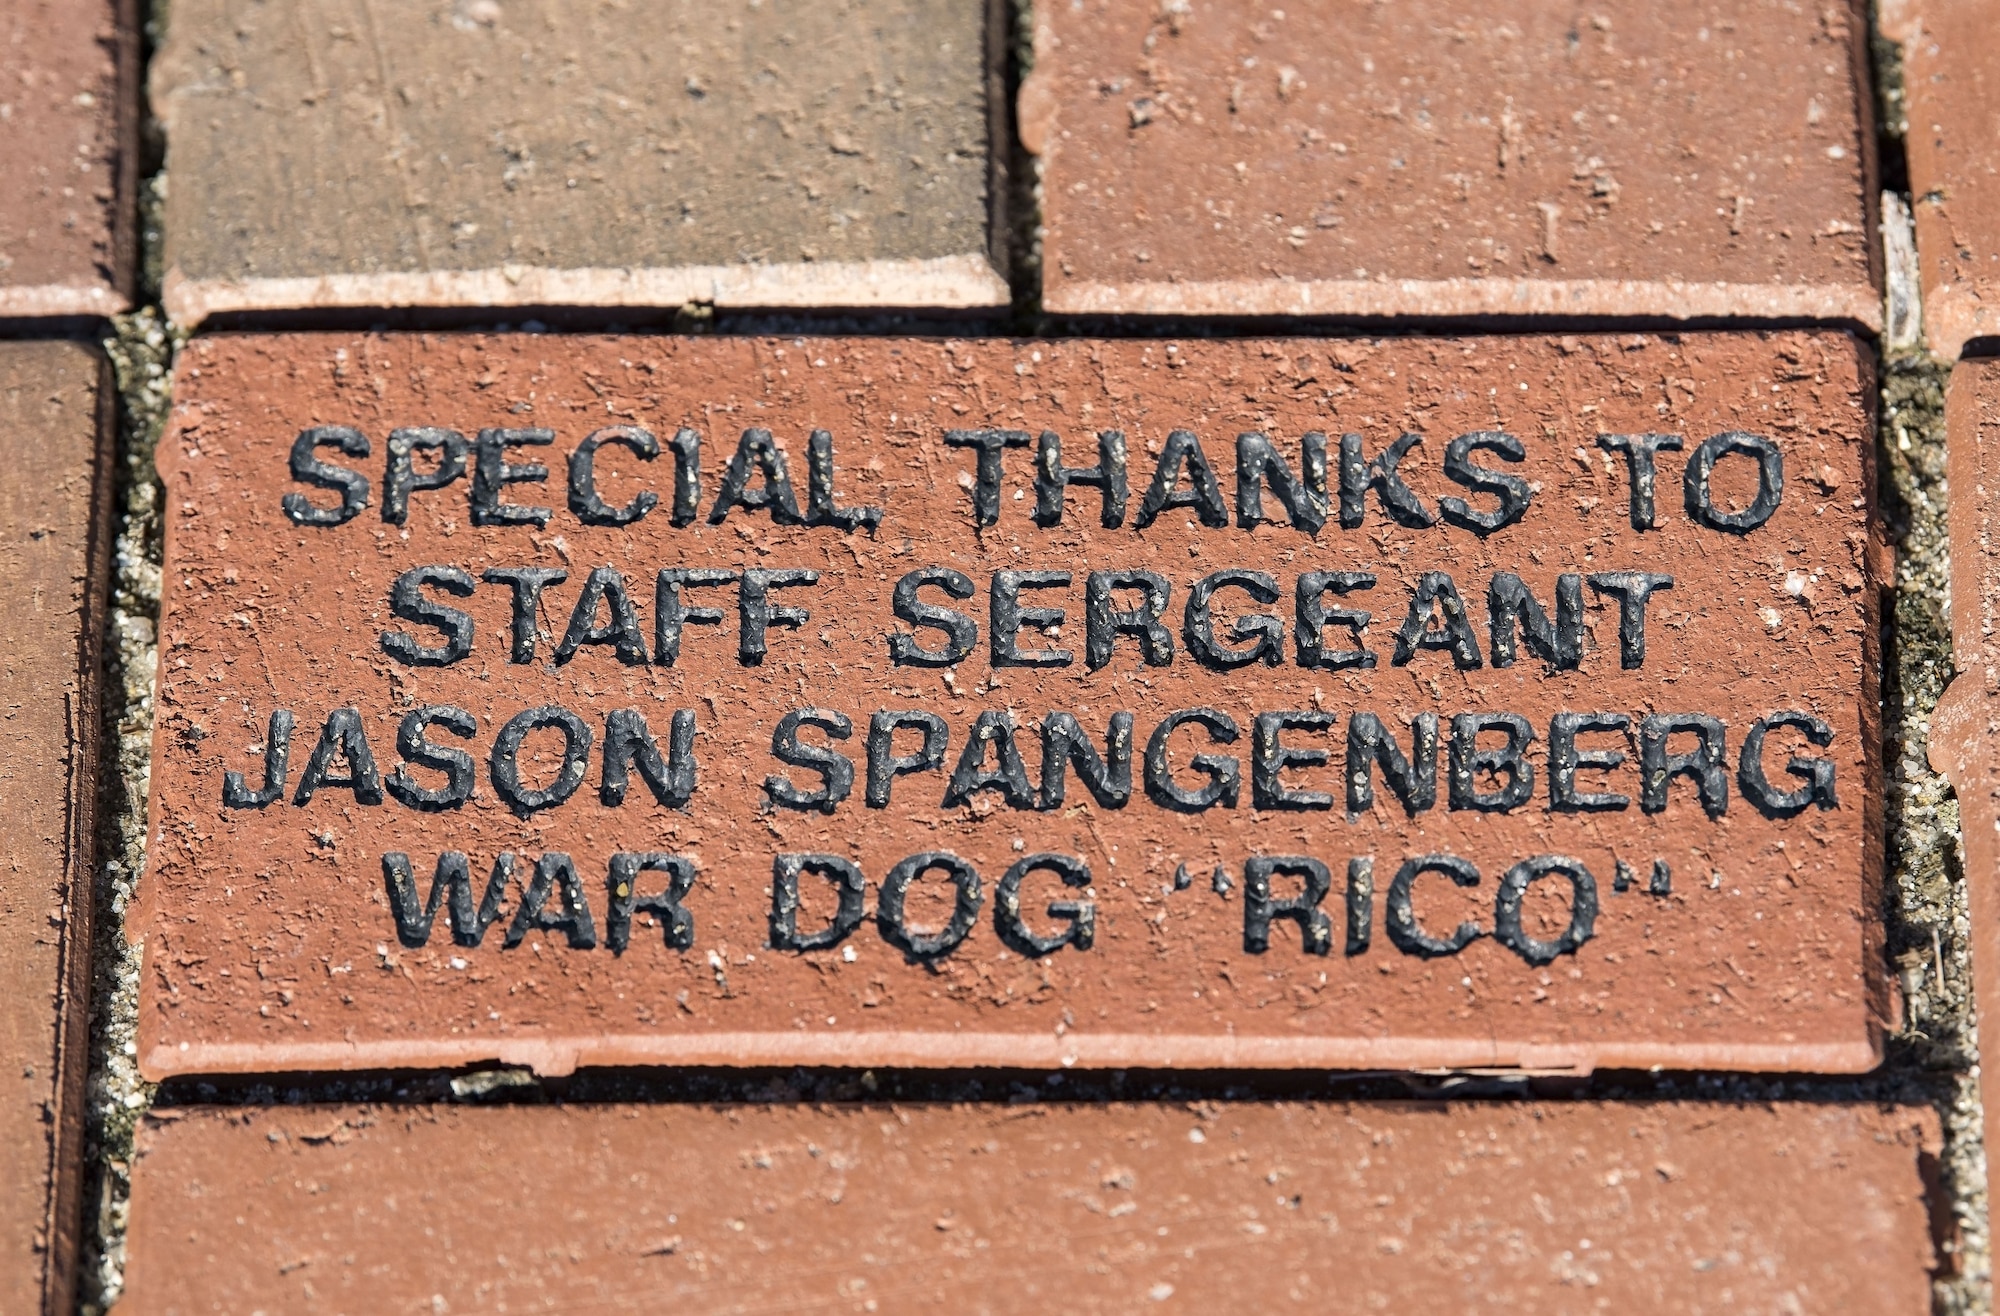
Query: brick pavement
{"points": [[1577, 178]]}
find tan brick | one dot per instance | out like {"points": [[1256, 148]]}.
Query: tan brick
{"points": [[491, 153], [1433, 158]]}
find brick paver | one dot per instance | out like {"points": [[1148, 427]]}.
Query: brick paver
{"points": [[1965, 731], [577, 154], [1951, 78], [68, 116], [762, 744], [1020, 1207], [53, 525], [1436, 159]]}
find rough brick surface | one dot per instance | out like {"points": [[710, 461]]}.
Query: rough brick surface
{"points": [[1439, 158], [68, 82], [1508, 1208], [1965, 730], [1951, 76], [52, 562], [1697, 921], [578, 153]]}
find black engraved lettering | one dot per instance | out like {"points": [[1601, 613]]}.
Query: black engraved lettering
{"points": [[1413, 779], [1052, 477], [1817, 773], [527, 584], [1436, 620], [885, 765], [1770, 481], [309, 469], [1632, 589], [1314, 617], [1006, 617], [1203, 493], [1640, 450], [895, 888], [504, 764], [847, 881], [987, 472], [961, 632], [1511, 490], [584, 502], [1109, 778], [343, 736], [1565, 758], [1358, 475], [1223, 771], [1270, 758], [1469, 762], [757, 452], [1507, 929], [1304, 495], [401, 477], [604, 588], [755, 613], [1259, 908], [1080, 915], [491, 475], [407, 601], [1705, 764], [624, 899], [1103, 624], [1510, 603], [1259, 637], [415, 747], [835, 769], [629, 743], [686, 448], [555, 874], [993, 728], [821, 507], [672, 614], [451, 886], [1400, 922], [236, 793], [1360, 903]]}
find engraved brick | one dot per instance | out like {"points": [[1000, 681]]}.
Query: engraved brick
{"points": [[1965, 729], [1951, 81], [68, 92], [490, 153], [53, 526], [1119, 1207], [1307, 840], [1438, 159]]}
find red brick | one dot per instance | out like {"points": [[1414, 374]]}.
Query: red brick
{"points": [[1436, 158], [68, 109], [1951, 79], [53, 524], [271, 937], [891, 1208], [569, 153], [1965, 729]]}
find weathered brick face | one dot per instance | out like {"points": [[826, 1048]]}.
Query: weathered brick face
{"points": [[1678, 160]]}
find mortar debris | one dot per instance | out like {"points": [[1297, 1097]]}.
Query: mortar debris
{"points": [[141, 351], [1924, 898]]}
